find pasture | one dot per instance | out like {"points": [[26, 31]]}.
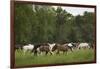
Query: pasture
{"points": [[81, 55]]}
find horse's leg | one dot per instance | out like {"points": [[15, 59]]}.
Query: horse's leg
{"points": [[32, 51], [57, 52], [35, 52], [67, 52], [41, 52], [84, 47], [24, 52], [71, 49], [79, 48], [20, 51], [64, 52], [51, 53], [46, 52]]}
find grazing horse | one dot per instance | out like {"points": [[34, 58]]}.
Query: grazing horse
{"points": [[83, 45], [59, 47], [28, 47], [39, 48], [18, 47], [35, 50], [45, 49]]}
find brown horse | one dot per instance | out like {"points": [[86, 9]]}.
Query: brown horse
{"points": [[45, 49], [39, 48], [60, 47]]}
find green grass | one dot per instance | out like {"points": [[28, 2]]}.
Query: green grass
{"points": [[76, 56]]}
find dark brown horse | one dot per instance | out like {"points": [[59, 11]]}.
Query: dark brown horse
{"points": [[45, 49], [61, 47], [36, 46], [39, 48]]}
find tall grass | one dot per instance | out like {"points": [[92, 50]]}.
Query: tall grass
{"points": [[76, 56]]}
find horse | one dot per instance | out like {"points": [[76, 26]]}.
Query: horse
{"points": [[39, 48], [35, 50], [83, 45], [45, 49], [18, 47], [60, 47], [28, 47]]}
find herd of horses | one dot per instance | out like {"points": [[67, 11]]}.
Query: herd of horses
{"points": [[52, 47]]}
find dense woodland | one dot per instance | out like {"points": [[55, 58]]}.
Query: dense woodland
{"points": [[40, 24]]}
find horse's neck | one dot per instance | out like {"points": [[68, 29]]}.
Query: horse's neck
{"points": [[52, 45]]}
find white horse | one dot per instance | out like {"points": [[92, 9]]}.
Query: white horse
{"points": [[83, 45], [28, 47]]}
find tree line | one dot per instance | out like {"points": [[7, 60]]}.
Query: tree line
{"points": [[40, 24]]}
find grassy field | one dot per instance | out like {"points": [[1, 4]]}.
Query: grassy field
{"points": [[76, 56]]}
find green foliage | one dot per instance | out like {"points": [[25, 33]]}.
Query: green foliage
{"points": [[40, 23]]}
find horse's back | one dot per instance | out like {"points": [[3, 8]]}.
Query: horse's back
{"points": [[30, 46], [83, 44], [44, 48]]}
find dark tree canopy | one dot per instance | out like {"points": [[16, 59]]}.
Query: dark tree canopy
{"points": [[40, 24]]}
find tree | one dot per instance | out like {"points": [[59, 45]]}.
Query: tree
{"points": [[40, 24]]}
